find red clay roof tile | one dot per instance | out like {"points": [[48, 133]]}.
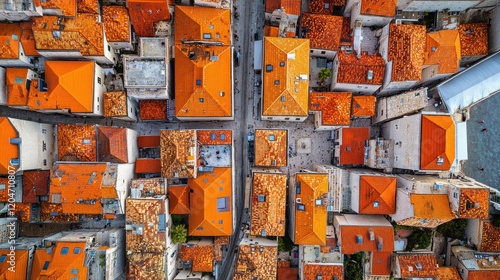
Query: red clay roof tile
{"points": [[324, 31]]}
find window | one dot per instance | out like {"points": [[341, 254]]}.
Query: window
{"points": [[76, 250], [276, 82], [2, 186], [64, 250], [283, 98], [213, 136], [376, 204], [223, 204], [44, 162], [2, 258], [301, 207], [74, 271], [99, 80], [323, 52], [261, 198], [44, 131], [207, 36], [297, 187], [109, 48], [269, 68], [202, 100], [282, 64], [271, 137], [222, 136], [198, 82], [46, 265]]}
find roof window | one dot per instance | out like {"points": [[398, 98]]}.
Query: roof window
{"points": [[276, 82], [271, 137], [202, 100], [269, 68], [376, 204], [198, 82], [282, 64], [261, 198], [301, 207], [207, 36], [64, 250]]}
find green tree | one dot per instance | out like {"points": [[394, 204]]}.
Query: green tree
{"points": [[285, 244], [324, 74], [495, 221], [353, 266], [453, 228], [179, 234], [419, 239]]}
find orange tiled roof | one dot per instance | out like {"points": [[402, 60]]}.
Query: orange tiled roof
{"points": [[144, 13], [112, 144], [148, 141], [353, 143], [146, 266], [53, 212], [288, 273], [84, 33], [148, 165], [215, 137], [194, 23], [443, 49], [449, 273], [59, 265], [335, 107], [4, 191], [408, 265], [10, 35], [35, 183], [23, 212], [324, 7], [363, 106], [406, 50], [377, 195], [467, 208], [152, 110], [68, 7], [271, 147], [16, 83], [21, 266], [203, 83], [76, 142], [143, 217], [200, 255], [437, 142], [291, 7], [88, 6], [355, 71], [324, 31], [116, 23], [28, 39], [285, 94], [211, 203], [273, 31], [268, 204], [489, 238], [327, 271], [115, 104], [346, 38], [178, 197], [473, 39], [431, 206], [8, 151], [378, 8], [385, 234], [381, 263], [179, 152], [310, 224], [483, 274], [256, 262], [70, 86]]}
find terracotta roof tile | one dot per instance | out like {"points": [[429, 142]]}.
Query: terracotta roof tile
{"points": [[324, 31], [219, 241], [256, 261], [88, 6], [356, 71], [474, 203], [489, 238], [144, 13], [335, 107], [310, 223], [378, 8], [148, 141], [449, 273], [406, 50], [285, 94], [59, 265], [35, 183], [211, 203], [115, 104], [22, 264], [194, 23], [68, 7], [24, 213], [179, 152], [353, 143], [143, 225], [84, 33], [271, 147], [4, 190], [473, 39], [377, 195], [408, 264], [17, 86], [483, 274], [215, 137], [76, 142], [430, 210], [116, 23], [10, 35], [200, 255], [178, 197], [146, 266], [437, 142], [153, 110], [149, 187], [203, 84], [28, 39], [381, 263], [268, 204], [112, 144], [327, 271], [291, 7], [8, 151], [324, 7], [271, 31], [346, 38], [288, 273], [363, 106], [443, 49], [147, 165], [53, 212]]}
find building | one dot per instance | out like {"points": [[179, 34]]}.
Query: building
{"points": [[153, 110], [82, 36], [357, 73], [17, 83], [402, 46], [422, 142], [118, 105], [12, 54], [336, 177], [149, 163], [220, 4], [483, 235], [26, 145], [320, 261], [53, 213], [271, 147], [268, 204], [372, 193], [145, 14], [282, 24], [148, 187], [62, 9], [331, 110], [415, 265], [147, 77], [117, 26], [307, 203], [289, 6], [349, 145], [257, 259], [24, 253], [369, 233], [370, 12], [448, 272], [35, 185], [8, 225], [198, 255], [74, 87], [379, 154], [324, 7], [363, 106], [391, 107], [323, 33], [475, 265], [442, 55], [19, 10], [179, 153], [473, 41], [285, 79], [427, 6]]}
